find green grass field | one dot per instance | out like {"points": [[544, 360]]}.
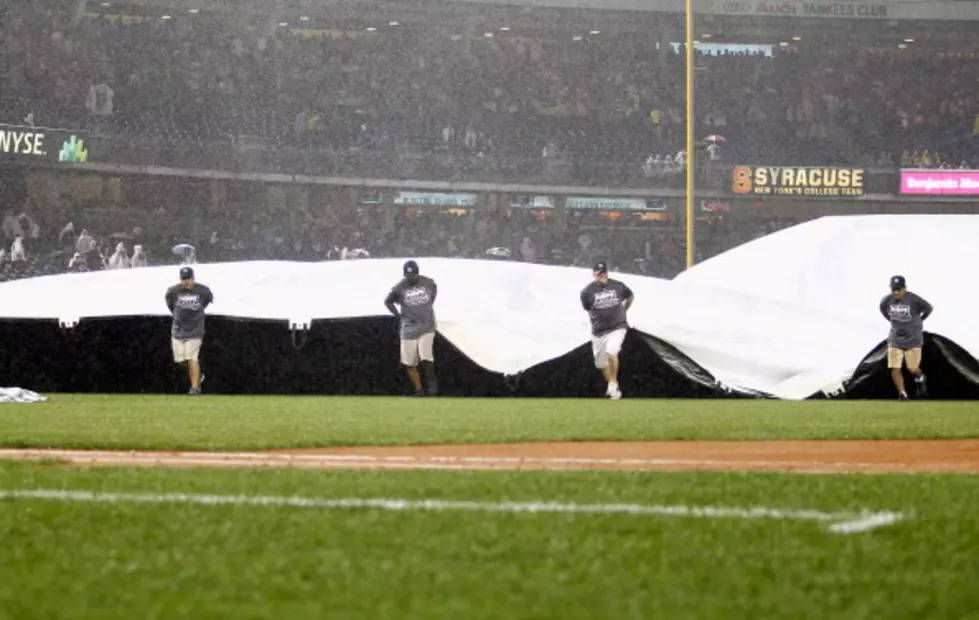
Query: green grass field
{"points": [[167, 559], [237, 423]]}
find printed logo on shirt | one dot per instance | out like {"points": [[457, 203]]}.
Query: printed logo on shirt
{"points": [[416, 297], [900, 313], [606, 299], [189, 301]]}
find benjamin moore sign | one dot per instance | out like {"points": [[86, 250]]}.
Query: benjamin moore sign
{"points": [[785, 181], [24, 144], [940, 182]]}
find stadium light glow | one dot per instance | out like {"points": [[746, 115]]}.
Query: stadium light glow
{"points": [[902, 45], [706, 35], [283, 24], [505, 29], [393, 24], [106, 4], [595, 32], [909, 40], [304, 18], [488, 35], [371, 29], [576, 38], [797, 38], [164, 17]]}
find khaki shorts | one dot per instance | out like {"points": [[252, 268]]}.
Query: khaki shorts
{"points": [[186, 350], [898, 357], [608, 345], [421, 349]]}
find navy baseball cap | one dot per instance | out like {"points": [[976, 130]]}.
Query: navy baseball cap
{"points": [[600, 267], [411, 268], [897, 283], [186, 273]]}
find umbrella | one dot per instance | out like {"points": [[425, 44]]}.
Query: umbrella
{"points": [[716, 139], [182, 249], [715, 206], [60, 257]]}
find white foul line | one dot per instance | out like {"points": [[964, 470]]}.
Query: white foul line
{"points": [[840, 522]]}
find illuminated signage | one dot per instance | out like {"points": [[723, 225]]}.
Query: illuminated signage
{"points": [[940, 182], [24, 144], [531, 202], [605, 203], [789, 181], [435, 199]]}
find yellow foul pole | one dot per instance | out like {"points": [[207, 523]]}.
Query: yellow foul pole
{"points": [[691, 153]]}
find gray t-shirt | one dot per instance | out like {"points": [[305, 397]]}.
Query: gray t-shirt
{"points": [[417, 301], [187, 308], [606, 306], [907, 316]]}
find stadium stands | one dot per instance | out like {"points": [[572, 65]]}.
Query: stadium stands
{"points": [[203, 91], [195, 90]]}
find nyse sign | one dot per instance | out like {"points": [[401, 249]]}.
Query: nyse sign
{"points": [[17, 141], [801, 8], [28, 145]]}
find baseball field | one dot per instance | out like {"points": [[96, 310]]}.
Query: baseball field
{"points": [[402, 508]]}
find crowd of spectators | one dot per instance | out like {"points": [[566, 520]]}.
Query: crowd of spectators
{"points": [[201, 90], [401, 102], [85, 238]]}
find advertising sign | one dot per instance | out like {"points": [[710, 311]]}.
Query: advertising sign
{"points": [[531, 202], [26, 144], [940, 182], [435, 199], [802, 8], [371, 198], [786, 181], [607, 203]]}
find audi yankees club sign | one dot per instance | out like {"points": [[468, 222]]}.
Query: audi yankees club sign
{"points": [[801, 8]]}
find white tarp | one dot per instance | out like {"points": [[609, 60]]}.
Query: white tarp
{"points": [[19, 395], [789, 315]]}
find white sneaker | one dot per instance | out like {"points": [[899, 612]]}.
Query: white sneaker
{"points": [[616, 395]]}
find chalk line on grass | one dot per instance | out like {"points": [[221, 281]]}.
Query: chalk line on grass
{"points": [[839, 522]]}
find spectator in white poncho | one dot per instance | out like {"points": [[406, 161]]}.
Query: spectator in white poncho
{"points": [[119, 259], [139, 258], [17, 251]]}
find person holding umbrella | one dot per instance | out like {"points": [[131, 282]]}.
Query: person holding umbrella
{"points": [[187, 252]]}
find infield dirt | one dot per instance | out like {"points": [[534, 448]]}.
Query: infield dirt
{"points": [[900, 456]]}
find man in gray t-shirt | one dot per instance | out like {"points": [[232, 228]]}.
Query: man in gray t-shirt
{"points": [[187, 302], [906, 313], [415, 296], [607, 301]]}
